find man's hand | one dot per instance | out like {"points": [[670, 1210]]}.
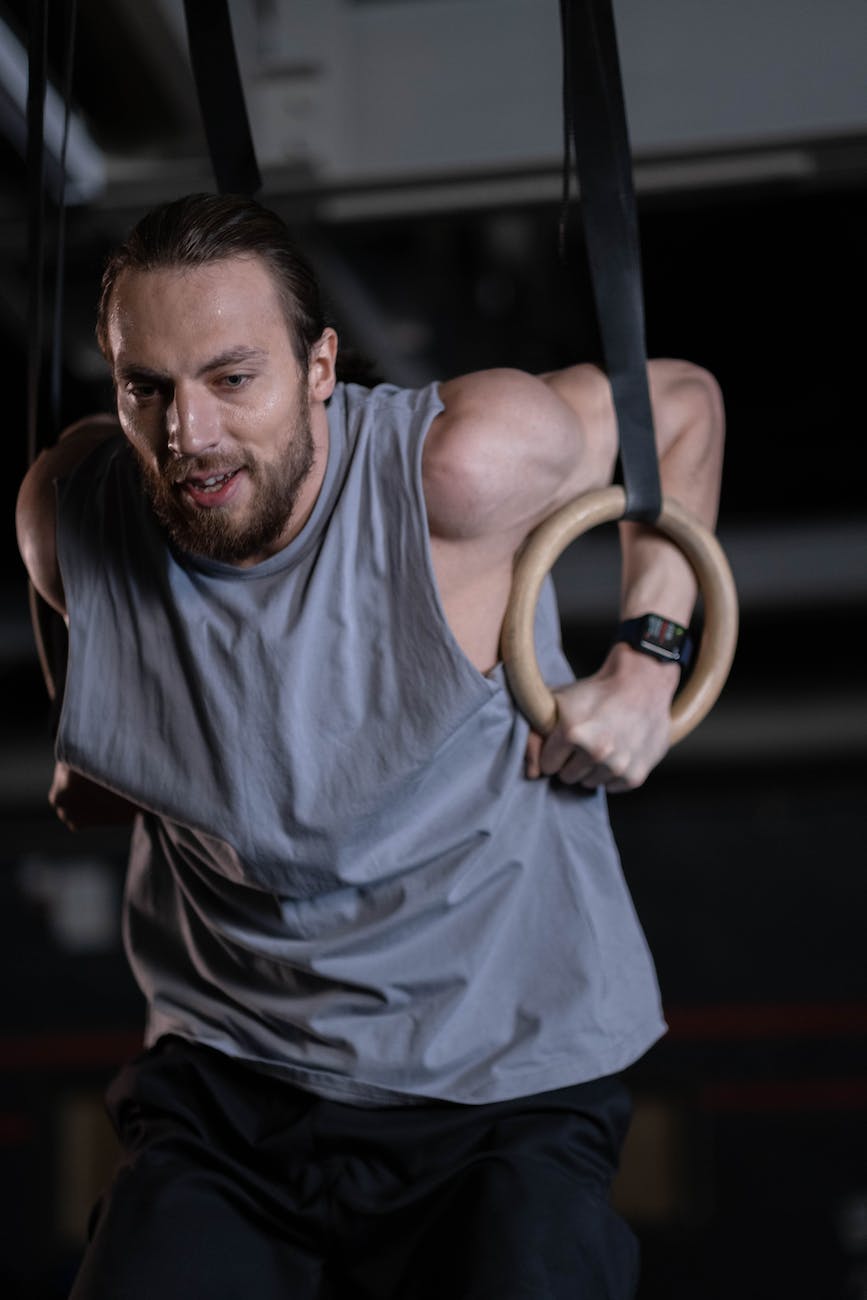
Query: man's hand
{"points": [[613, 727], [80, 803]]}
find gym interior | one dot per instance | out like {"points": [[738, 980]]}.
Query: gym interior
{"points": [[415, 149]]}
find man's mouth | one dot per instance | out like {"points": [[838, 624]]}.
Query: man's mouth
{"points": [[212, 489]]}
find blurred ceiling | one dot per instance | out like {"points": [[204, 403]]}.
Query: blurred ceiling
{"points": [[371, 94], [367, 110]]}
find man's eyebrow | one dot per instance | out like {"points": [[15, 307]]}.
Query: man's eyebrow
{"points": [[141, 374], [231, 357]]}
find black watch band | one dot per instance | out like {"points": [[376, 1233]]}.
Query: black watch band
{"points": [[662, 638]]}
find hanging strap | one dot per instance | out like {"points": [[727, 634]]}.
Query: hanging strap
{"points": [[37, 80], [596, 136], [221, 96], [56, 372], [48, 628]]}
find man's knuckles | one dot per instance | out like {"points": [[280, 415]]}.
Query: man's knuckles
{"points": [[598, 745]]}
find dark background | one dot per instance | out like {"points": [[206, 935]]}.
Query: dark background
{"points": [[747, 1171]]}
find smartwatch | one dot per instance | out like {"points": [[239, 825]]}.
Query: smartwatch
{"points": [[662, 638]]}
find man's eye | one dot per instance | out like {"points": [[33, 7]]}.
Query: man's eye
{"points": [[142, 392], [234, 381]]}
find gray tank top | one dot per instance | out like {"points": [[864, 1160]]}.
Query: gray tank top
{"points": [[341, 873]]}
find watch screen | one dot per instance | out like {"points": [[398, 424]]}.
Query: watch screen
{"points": [[666, 635]]}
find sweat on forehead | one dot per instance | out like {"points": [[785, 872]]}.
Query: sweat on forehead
{"points": [[211, 298]]}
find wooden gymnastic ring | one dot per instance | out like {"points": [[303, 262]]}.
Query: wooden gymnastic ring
{"points": [[715, 582]]}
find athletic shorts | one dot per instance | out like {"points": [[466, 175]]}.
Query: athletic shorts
{"points": [[238, 1185]]}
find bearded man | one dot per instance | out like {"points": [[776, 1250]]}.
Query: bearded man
{"points": [[391, 965]]}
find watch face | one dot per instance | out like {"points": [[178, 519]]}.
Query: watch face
{"points": [[662, 636]]}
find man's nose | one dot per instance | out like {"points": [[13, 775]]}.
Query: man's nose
{"points": [[190, 426]]}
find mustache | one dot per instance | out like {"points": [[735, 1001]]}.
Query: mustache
{"points": [[178, 471]]}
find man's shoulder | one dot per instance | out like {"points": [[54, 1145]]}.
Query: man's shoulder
{"points": [[506, 446], [542, 410], [498, 393], [476, 402]]}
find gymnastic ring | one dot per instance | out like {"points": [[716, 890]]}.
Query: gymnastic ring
{"points": [[715, 582]]}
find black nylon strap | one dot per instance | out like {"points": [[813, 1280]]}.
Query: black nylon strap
{"points": [[221, 96], [595, 129], [56, 372], [37, 80]]}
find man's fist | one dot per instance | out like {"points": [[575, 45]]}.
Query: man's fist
{"points": [[613, 727]]}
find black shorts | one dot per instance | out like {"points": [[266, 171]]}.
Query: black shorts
{"points": [[235, 1184]]}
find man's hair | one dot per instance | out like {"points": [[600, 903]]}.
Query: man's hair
{"points": [[203, 228]]}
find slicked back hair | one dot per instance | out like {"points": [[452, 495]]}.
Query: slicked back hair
{"points": [[204, 228]]}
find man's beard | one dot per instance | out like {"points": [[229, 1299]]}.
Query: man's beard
{"points": [[211, 531]]}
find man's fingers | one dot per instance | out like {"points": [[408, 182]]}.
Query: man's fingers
{"points": [[534, 749], [617, 781], [591, 765], [556, 751], [571, 753], [556, 756], [580, 770]]}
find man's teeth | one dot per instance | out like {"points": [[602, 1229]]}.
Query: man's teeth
{"points": [[209, 484]]}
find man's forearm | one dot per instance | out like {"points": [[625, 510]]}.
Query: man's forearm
{"points": [[690, 426]]}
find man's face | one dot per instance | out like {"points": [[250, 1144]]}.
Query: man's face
{"points": [[216, 408]]}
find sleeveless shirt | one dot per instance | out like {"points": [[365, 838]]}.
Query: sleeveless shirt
{"points": [[341, 873]]}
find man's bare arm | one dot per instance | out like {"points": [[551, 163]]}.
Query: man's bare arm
{"points": [[77, 801], [690, 424], [35, 514], [509, 450], [614, 726]]}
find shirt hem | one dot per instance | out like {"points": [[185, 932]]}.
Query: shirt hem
{"points": [[359, 1092]]}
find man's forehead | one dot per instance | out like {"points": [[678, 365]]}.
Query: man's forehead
{"points": [[233, 297], [243, 276]]}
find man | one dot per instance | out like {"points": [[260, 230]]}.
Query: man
{"points": [[391, 965]]}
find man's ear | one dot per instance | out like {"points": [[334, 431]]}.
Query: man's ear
{"points": [[321, 372]]}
